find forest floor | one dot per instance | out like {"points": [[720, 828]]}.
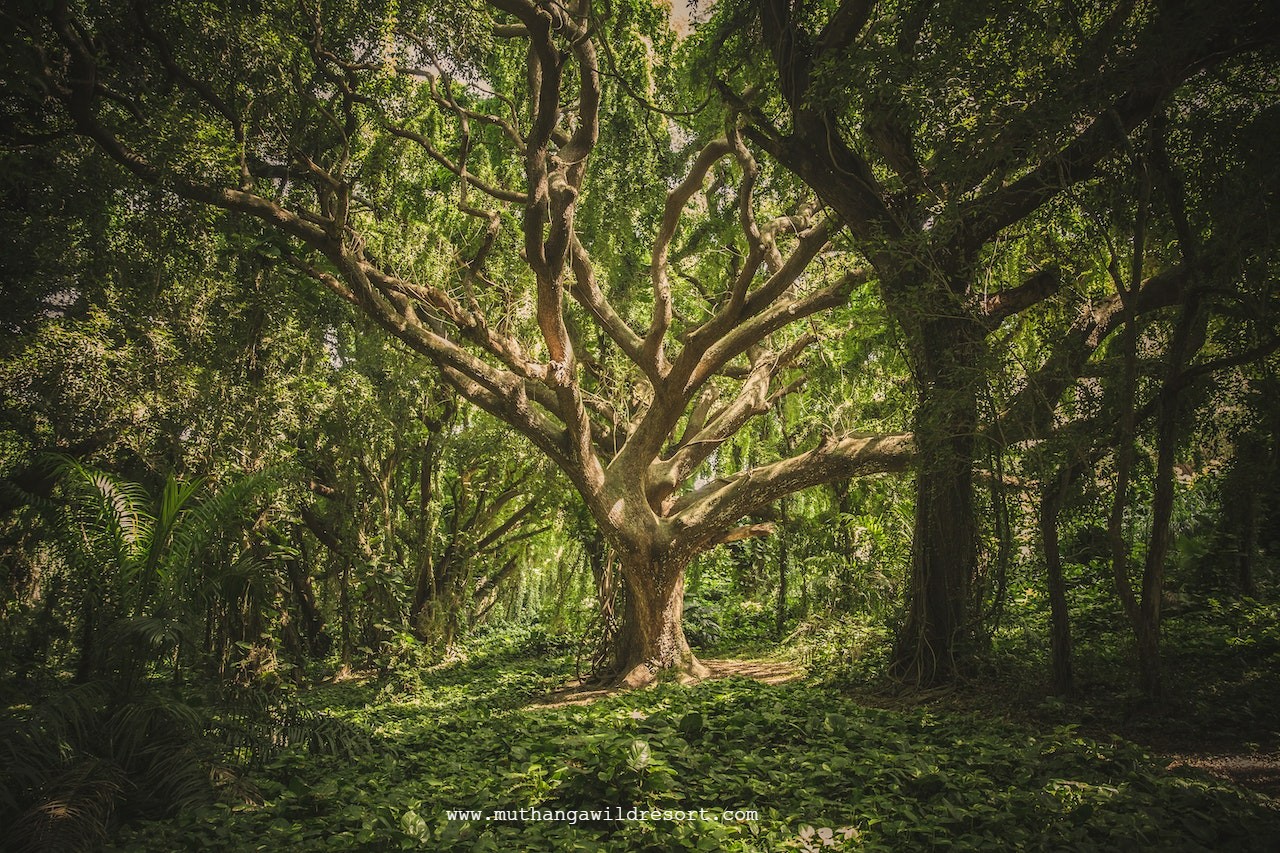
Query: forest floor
{"points": [[482, 755], [1249, 758], [498, 750], [1219, 712], [765, 670], [1257, 771]]}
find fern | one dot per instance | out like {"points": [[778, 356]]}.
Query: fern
{"points": [[256, 726], [87, 753], [143, 572], [148, 569], [72, 812]]}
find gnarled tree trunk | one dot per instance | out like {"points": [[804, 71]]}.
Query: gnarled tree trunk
{"points": [[651, 638]]}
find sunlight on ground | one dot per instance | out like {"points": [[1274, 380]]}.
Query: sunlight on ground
{"points": [[582, 692]]}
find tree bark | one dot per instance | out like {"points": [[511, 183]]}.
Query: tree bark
{"points": [[313, 627], [1249, 524], [945, 537], [651, 638], [1243, 501], [1060, 620], [784, 559]]}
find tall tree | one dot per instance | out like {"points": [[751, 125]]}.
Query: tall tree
{"points": [[389, 152], [934, 131], [476, 180]]}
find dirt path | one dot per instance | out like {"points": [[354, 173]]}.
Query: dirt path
{"points": [[766, 671]]}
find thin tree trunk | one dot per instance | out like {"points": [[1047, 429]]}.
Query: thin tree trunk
{"points": [[313, 628], [1127, 431], [1188, 338], [1249, 522], [780, 624], [1004, 547], [87, 663], [344, 606], [1148, 621], [1118, 544], [1051, 500], [427, 520], [602, 564]]}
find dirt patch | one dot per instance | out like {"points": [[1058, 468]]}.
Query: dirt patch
{"points": [[580, 692], [1257, 771], [574, 693], [768, 671]]}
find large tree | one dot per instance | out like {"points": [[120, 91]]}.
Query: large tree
{"points": [[446, 170], [495, 188], [939, 132]]}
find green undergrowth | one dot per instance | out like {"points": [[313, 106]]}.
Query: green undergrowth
{"points": [[1221, 678], [820, 770], [1220, 663]]}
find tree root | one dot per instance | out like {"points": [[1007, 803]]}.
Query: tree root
{"points": [[689, 671]]}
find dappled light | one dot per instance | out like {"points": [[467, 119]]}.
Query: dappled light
{"points": [[746, 425]]}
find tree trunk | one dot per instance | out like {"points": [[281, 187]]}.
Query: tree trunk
{"points": [[780, 624], [1060, 619], [1246, 484], [1147, 626], [1249, 524], [344, 609], [313, 627], [945, 537], [87, 664], [651, 638], [1188, 338], [1149, 670]]}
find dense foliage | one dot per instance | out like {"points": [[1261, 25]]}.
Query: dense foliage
{"points": [[370, 369]]}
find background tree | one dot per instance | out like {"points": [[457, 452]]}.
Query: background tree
{"points": [[462, 175], [420, 500], [934, 131]]}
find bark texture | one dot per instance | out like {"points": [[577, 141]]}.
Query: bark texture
{"points": [[946, 353], [651, 641]]}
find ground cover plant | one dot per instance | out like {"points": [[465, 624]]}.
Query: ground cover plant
{"points": [[820, 769]]}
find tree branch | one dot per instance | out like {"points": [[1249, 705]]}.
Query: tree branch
{"points": [[998, 307], [700, 516], [1030, 414], [677, 198]]}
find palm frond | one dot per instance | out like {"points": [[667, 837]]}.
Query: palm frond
{"points": [[171, 509], [175, 500], [156, 633], [214, 515], [108, 517], [71, 812], [40, 466]]}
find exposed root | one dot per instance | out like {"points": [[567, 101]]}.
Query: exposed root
{"points": [[586, 691], [643, 674]]}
